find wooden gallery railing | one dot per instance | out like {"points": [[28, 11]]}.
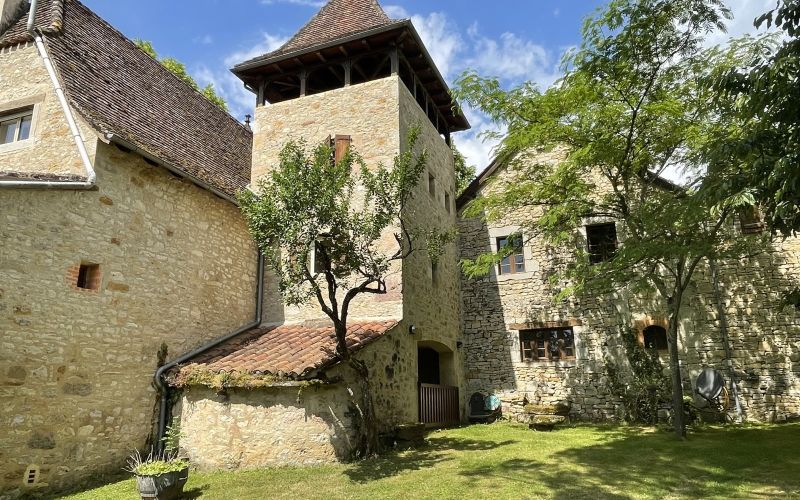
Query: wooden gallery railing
{"points": [[438, 405]]}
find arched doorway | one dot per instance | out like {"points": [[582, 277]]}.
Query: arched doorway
{"points": [[439, 402]]}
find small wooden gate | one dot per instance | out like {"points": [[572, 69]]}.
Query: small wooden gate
{"points": [[438, 405]]}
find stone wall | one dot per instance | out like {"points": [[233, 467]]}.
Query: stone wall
{"points": [[24, 83], [765, 338], [246, 429], [176, 268]]}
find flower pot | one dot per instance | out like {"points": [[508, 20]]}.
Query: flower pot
{"points": [[163, 486]]}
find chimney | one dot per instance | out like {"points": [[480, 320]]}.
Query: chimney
{"points": [[10, 11]]}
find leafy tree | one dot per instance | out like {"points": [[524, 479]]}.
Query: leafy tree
{"points": [[341, 209], [179, 69], [629, 107], [764, 87], [465, 173]]}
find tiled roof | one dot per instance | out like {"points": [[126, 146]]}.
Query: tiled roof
{"points": [[291, 351], [122, 91], [49, 16], [337, 19]]}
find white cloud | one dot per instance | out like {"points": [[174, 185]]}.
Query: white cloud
{"points": [[306, 3], [439, 34], [267, 44], [512, 58], [744, 14], [203, 40]]}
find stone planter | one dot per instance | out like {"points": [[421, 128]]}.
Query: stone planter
{"points": [[167, 486], [546, 417]]}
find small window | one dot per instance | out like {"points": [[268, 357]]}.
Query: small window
{"points": [[751, 220], [435, 273], [432, 185], [31, 476], [655, 337], [341, 144], [447, 201], [515, 261], [88, 277], [547, 344], [319, 258], [602, 242], [16, 126]]}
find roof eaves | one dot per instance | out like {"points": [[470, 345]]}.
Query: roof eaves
{"points": [[266, 59]]}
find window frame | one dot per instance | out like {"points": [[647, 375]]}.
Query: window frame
{"points": [[531, 350], [518, 256], [603, 256], [18, 114]]}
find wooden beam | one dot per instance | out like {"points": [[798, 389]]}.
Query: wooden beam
{"points": [[303, 82], [347, 65], [395, 60], [260, 99]]}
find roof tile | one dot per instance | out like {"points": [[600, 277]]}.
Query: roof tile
{"points": [[293, 351]]}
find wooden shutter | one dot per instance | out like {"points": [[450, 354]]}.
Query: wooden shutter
{"points": [[341, 146]]}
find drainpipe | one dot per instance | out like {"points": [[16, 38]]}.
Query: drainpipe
{"points": [[159, 376], [723, 329], [73, 126]]}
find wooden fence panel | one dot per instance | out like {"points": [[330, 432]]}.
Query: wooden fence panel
{"points": [[438, 405]]}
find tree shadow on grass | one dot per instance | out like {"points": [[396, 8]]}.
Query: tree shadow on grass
{"points": [[435, 451], [750, 462]]}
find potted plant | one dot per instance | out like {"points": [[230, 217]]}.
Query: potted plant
{"points": [[161, 476]]}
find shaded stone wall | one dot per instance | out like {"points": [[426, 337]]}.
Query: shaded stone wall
{"points": [[247, 429], [765, 338], [177, 268]]}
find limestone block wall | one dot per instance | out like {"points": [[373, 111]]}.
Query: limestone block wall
{"points": [[247, 429], [24, 82], [369, 114], [176, 268], [764, 336]]}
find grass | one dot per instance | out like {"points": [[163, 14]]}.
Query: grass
{"points": [[510, 461]]}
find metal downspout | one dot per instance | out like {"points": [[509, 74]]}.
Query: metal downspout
{"points": [[73, 126], [723, 328], [159, 380]]}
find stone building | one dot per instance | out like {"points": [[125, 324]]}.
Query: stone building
{"points": [[124, 254], [511, 322], [131, 292]]}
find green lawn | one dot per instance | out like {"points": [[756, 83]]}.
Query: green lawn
{"points": [[510, 461]]}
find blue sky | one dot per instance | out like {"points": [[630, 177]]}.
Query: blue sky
{"points": [[515, 40]]}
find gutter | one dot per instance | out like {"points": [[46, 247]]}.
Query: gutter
{"points": [[73, 126], [159, 375]]}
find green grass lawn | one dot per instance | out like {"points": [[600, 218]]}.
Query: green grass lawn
{"points": [[510, 461]]}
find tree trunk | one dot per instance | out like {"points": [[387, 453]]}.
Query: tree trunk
{"points": [[675, 368], [368, 421]]}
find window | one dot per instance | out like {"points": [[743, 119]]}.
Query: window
{"points": [[435, 273], [547, 344], [750, 220], [447, 201], [16, 126], [432, 185], [515, 261], [655, 337], [341, 144], [602, 242], [88, 277]]}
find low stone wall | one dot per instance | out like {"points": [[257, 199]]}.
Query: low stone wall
{"points": [[253, 428]]}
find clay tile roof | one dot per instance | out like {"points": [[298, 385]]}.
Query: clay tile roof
{"points": [[337, 19], [122, 91], [292, 351]]}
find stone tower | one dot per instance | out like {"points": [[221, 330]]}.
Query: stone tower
{"points": [[353, 72]]}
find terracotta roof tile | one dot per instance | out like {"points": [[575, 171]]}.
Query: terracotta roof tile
{"points": [[337, 19], [122, 91], [291, 351]]}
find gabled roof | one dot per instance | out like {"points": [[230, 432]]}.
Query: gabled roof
{"points": [[123, 92], [293, 351], [337, 19]]}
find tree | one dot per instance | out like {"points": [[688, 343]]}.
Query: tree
{"points": [[764, 86], [465, 173], [628, 108], [179, 69], [340, 210]]}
